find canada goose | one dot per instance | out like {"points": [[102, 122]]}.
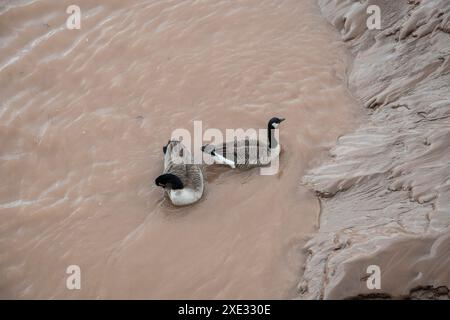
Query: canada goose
{"points": [[182, 180], [247, 153]]}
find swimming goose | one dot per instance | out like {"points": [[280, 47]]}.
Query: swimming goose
{"points": [[182, 180], [247, 153]]}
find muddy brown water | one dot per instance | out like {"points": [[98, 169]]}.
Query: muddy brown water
{"points": [[84, 115]]}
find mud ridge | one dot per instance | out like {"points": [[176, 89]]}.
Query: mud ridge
{"points": [[385, 192]]}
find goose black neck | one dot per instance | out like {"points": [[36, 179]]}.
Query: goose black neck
{"points": [[176, 182], [273, 143]]}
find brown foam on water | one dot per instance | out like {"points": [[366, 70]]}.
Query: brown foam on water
{"points": [[83, 118]]}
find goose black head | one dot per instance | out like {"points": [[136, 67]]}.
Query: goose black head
{"points": [[274, 122], [169, 181]]}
